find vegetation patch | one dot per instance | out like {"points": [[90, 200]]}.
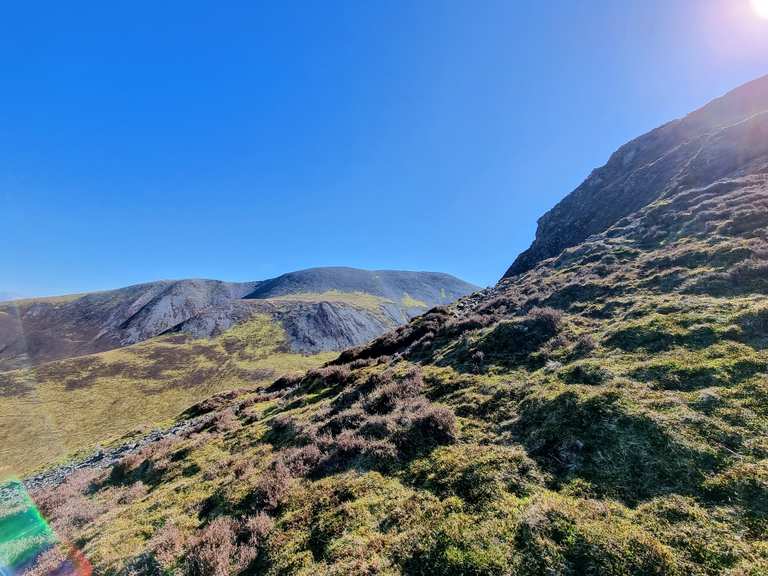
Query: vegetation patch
{"points": [[62, 407], [596, 435]]}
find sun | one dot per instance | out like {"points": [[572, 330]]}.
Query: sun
{"points": [[761, 8]]}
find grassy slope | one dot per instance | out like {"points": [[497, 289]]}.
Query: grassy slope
{"points": [[606, 413], [51, 411], [359, 299]]}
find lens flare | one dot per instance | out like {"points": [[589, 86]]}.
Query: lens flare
{"points": [[26, 538], [761, 8]]}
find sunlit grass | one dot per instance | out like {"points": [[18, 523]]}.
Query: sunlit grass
{"points": [[72, 405]]}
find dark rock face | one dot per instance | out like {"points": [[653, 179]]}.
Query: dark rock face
{"points": [[726, 138], [40, 330], [327, 326]]}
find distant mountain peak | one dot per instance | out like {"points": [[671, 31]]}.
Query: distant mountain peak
{"points": [[45, 329]]}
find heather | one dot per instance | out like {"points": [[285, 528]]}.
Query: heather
{"points": [[537, 429]]}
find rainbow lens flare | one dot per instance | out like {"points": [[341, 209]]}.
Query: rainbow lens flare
{"points": [[25, 537]]}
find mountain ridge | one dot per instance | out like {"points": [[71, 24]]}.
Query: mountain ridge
{"points": [[38, 330]]}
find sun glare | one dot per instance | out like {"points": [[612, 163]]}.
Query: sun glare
{"points": [[761, 8]]}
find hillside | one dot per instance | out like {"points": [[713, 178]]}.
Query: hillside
{"points": [[725, 138], [602, 410], [166, 345]]}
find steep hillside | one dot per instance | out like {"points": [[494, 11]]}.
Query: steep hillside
{"points": [[726, 138], [602, 410], [393, 285], [44, 329]]}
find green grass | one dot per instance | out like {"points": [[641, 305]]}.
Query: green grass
{"points": [[359, 299], [71, 405], [409, 302]]}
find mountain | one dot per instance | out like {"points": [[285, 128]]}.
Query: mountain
{"points": [[322, 309], [726, 138], [78, 371], [602, 410], [9, 296]]}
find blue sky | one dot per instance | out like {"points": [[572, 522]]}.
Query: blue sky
{"points": [[240, 140]]}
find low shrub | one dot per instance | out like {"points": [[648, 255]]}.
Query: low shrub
{"points": [[584, 345], [167, 544], [50, 499], [225, 421], [385, 398], [272, 487], [68, 507], [398, 340], [591, 373], [286, 382], [301, 461], [545, 320], [53, 561], [258, 528], [215, 550], [132, 493], [430, 426], [351, 418]]}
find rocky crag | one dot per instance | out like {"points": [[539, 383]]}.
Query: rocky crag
{"points": [[726, 138]]}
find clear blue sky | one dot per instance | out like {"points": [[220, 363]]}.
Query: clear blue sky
{"points": [[240, 140]]}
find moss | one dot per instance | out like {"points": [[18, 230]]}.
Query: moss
{"points": [[461, 543], [356, 522], [597, 435], [754, 326], [476, 474], [685, 373], [570, 536], [516, 340], [704, 538], [745, 484], [661, 332]]}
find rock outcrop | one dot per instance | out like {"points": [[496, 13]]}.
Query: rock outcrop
{"points": [[726, 138]]}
